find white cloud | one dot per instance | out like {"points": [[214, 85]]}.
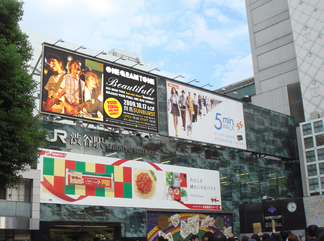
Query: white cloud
{"points": [[201, 33], [237, 6], [191, 4], [236, 69], [156, 30], [176, 45], [217, 14]]}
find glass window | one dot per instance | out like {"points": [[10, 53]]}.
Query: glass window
{"points": [[320, 154], [322, 182], [313, 184], [307, 129], [318, 126], [314, 193], [321, 168], [308, 142], [312, 170], [310, 156], [319, 140]]}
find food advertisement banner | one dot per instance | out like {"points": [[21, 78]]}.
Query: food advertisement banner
{"points": [[70, 178], [183, 225], [199, 115], [82, 87]]}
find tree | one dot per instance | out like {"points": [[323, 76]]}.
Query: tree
{"points": [[20, 131]]}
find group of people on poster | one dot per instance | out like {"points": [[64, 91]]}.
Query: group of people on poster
{"points": [[71, 89], [190, 106]]}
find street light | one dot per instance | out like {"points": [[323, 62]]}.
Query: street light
{"points": [[81, 47], [139, 63], [156, 69], [210, 85], [193, 81], [179, 76], [60, 40], [102, 52], [122, 58]]}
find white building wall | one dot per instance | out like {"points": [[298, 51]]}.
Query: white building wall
{"points": [[307, 20], [273, 53]]}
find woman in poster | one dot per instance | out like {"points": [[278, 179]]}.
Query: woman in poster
{"points": [[174, 104]]}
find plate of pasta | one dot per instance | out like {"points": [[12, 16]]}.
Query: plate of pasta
{"points": [[147, 184]]}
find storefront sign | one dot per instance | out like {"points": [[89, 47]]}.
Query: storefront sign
{"points": [[192, 113], [82, 87], [87, 180]]}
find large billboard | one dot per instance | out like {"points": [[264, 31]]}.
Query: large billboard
{"points": [[70, 178], [82, 87], [199, 115]]}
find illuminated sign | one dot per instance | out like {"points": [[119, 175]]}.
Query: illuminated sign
{"points": [[81, 87], [199, 115]]}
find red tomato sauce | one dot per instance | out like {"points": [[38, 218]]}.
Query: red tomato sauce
{"points": [[144, 183]]}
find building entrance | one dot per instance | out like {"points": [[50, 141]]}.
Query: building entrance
{"points": [[81, 231]]}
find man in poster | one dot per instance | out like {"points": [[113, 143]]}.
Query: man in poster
{"points": [[74, 89], [54, 85], [183, 108]]}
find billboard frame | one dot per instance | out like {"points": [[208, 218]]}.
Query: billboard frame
{"points": [[147, 120], [201, 90]]}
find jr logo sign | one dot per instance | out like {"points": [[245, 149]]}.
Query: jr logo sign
{"points": [[60, 134]]}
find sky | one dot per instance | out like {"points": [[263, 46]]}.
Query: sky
{"points": [[206, 40]]}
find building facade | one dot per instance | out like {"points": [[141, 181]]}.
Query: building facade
{"points": [[286, 42], [266, 166], [312, 142]]}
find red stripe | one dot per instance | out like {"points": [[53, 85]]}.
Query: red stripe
{"points": [[119, 162], [59, 192], [155, 166], [122, 161]]}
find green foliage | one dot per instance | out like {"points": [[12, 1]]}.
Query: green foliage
{"points": [[20, 132]]}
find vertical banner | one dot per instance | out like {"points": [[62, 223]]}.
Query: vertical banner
{"points": [[78, 86], [202, 116]]}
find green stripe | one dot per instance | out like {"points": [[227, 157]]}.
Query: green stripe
{"points": [[127, 190], [70, 189], [48, 166], [80, 166], [100, 192]]}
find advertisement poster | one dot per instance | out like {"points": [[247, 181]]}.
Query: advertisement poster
{"points": [[314, 210], [70, 178], [183, 225], [82, 87], [193, 112]]}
